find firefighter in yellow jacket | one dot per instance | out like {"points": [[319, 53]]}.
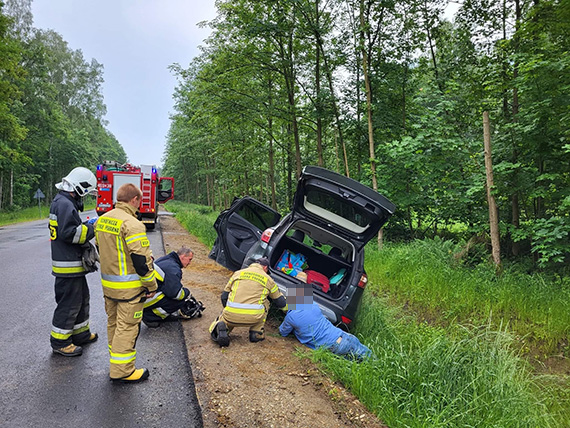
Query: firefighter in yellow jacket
{"points": [[128, 279], [245, 301]]}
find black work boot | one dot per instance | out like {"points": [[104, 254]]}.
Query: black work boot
{"points": [[220, 334], [256, 336]]}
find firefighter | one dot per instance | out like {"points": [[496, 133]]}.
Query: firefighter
{"points": [[70, 324], [245, 303], [128, 279], [172, 300]]}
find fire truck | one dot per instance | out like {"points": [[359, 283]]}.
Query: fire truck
{"points": [[155, 189]]}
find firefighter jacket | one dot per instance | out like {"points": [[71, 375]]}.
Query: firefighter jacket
{"points": [[248, 292], [67, 235], [126, 259], [168, 267]]}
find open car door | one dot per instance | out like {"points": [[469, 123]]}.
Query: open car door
{"points": [[239, 228]]}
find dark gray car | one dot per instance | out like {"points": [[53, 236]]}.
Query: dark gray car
{"points": [[332, 219]]}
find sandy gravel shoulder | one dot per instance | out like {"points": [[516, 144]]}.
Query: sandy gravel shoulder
{"points": [[254, 384]]}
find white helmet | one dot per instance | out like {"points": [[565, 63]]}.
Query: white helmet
{"points": [[80, 180]]}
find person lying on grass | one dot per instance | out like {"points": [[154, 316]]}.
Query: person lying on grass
{"points": [[313, 329]]}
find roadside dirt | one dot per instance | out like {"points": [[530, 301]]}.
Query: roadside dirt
{"points": [[254, 384]]}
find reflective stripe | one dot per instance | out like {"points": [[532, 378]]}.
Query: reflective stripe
{"points": [[121, 255], [160, 312], [244, 311], [136, 237], [81, 328], [157, 298], [180, 294], [120, 282], [58, 263], [53, 217], [67, 267], [120, 278], [245, 305], [158, 272], [83, 324], [80, 234], [59, 333], [122, 358], [274, 289], [149, 277], [121, 285], [264, 293]]}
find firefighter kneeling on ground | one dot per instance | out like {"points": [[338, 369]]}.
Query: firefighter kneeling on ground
{"points": [[245, 301], [172, 301]]}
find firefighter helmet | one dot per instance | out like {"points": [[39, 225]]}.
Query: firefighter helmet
{"points": [[80, 180]]}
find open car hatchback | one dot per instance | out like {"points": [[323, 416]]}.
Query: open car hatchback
{"points": [[321, 241]]}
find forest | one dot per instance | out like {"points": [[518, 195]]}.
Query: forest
{"points": [[392, 94], [51, 109]]}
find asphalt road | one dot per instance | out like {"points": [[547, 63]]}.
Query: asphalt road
{"points": [[38, 388]]}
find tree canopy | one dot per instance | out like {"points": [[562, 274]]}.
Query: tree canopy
{"points": [[51, 109]]}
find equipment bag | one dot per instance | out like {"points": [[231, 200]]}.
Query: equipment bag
{"points": [[318, 280], [291, 263]]}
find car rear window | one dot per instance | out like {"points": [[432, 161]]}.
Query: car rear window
{"points": [[339, 207], [257, 215]]}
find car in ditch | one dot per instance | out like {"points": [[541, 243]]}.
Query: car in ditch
{"points": [[323, 238]]}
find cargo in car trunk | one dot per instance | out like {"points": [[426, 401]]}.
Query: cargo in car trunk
{"points": [[332, 266]]}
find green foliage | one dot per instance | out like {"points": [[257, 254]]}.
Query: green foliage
{"points": [[51, 110]]}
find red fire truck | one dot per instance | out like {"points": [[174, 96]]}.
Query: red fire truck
{"points": [[112, 175]]}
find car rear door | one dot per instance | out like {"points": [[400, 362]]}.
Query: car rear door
{"points": [[352, 209], [239, 228]]}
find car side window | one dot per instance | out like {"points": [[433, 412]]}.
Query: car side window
{"points": [[257, 215]]}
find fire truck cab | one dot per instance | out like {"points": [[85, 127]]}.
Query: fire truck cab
{"points": [[155, 189]]}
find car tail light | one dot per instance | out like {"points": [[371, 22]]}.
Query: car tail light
{"points": [[266, 235], [345, 320], [363, 281]]}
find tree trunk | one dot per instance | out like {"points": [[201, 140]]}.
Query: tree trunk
{"points": [[493, 215], [368, 99], [11, 187], [319, 106], [369, 111]]}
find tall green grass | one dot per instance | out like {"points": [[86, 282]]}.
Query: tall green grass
{"points": [[426, 376], [425, 275], [197, 219]]}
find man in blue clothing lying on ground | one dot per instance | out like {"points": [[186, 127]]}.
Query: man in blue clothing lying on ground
{"points": [[314, 330]]}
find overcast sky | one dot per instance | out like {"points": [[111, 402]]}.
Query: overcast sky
{"points": [[136, 41]]}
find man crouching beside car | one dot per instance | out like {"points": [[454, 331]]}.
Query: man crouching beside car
{"points": [[245, 301]]}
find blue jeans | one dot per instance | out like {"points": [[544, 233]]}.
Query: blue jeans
{"points": [[350, 347]]}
